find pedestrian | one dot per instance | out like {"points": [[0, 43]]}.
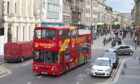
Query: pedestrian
{"points": [[136, 45], [113, 43], [135, 39], [104, 41], [119, 41]]}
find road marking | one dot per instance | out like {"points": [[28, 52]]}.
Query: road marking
{"points": [[7, 72], [1, 71], [25, 64], [2, 63], [29, 82], [131, 76], [113, 74], [78, 82], [39, 77]]}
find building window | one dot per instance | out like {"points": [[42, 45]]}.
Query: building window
{"points": [[15, 8], [1, 31], [53, 9], [23, 33], [17, 33], [8, 7]]}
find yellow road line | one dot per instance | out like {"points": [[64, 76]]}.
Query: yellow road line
{"points": [[113, 74], [7, 72]]}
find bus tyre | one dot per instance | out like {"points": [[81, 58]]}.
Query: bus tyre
{"points": [[67, 67], [22, 59], [36, 74], [85, 60]]}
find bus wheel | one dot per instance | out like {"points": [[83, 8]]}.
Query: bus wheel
{"points": [[67, 67], [21, 59], [36, 74], [85, 60]]}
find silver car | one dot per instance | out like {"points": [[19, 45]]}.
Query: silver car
{"points": [[113, 57], [102, 66], [122, 49]]}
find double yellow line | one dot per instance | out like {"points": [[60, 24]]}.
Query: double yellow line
{"points": [[114, 72], [6, 72]]}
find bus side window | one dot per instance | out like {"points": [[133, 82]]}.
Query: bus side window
{"points": [[60, 35], [65, 34], [67, 55], [52, 35], [37, 34], [78, 51], [74, 33]]}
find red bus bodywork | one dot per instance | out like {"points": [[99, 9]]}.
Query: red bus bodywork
{"points": [[70, 48]]}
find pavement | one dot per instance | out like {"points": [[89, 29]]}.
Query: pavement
{"points": [[1, 59], [98, 43], [129, 70]]}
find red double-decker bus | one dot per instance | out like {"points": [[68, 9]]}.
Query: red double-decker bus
{"points": [[59, 49]]}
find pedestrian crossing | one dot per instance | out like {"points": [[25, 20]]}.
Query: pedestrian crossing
{"points": [[4, 72]]}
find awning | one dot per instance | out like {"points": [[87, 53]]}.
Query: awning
{"points": [[99, 23]]}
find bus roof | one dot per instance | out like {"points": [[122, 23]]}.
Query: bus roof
{"points": [[57, 28], [83, 31]]}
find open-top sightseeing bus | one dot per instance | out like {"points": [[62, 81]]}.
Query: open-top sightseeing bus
{"points": [[59, 49]]}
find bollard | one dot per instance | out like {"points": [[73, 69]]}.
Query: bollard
{"points": [[125, 65]]}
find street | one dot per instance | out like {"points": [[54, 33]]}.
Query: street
{"points": [[21, 73]]}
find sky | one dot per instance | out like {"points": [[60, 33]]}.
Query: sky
{"points": [[123, 6]]}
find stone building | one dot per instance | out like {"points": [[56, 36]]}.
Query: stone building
{"points": [[1, 28], [67, 12], [101, 11], [137, 20], [19, 19], [76, 9], [137, 14], [51, 12], [86, 14], [108, 16], [94, 12]]}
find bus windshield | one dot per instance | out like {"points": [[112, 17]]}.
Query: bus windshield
{"points": [[50, 57], [45, 34]]}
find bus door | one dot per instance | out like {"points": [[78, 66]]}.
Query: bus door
{"points": [[78, 55], [62, 61]]}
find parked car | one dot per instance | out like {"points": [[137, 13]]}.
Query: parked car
{"points": [[17, 51], [122, 49], [102, 66], [113, 57]]}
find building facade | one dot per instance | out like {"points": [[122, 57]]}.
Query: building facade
{"points": [[67, 12], [86, 14], [1, 28], [76, 9], [94, 12], [19, 19], [51, 12], [101, 11], [116, 18], [137, 14], [125, 20], [108, 16], [133, 13], [1, 13]]}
